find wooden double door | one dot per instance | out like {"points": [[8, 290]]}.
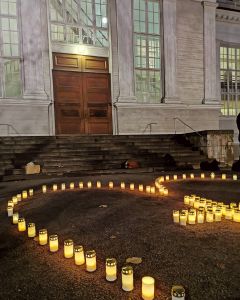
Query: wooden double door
{"points": [[82, 99]]}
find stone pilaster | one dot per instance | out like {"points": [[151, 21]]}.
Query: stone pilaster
{"points": [[210, 76], [35, 51], [170, 51]]}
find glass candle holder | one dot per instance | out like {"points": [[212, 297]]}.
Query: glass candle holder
{"points": [[14, 200], [111, 269], [79, 257], [99, 185], [191, 217], [236, 215], [10, 211], [212, 175], [31, 230], [80, 185], [176, 216], [202, 175], [153, 190], [31, 192], [192, 176], [53, 243], [218, 215], [122, 185], [21, 224], [183, 218], [175, 177], [10, 203], [127, 278], [148, 189], [55, 187], [140, 188], [15, 218], [132, 187], [178, 292], [167, 178], [72, 186], [235, 177], [165, 192], [196, 203], [24, 194], [44, 189], [43, 237], [233, 205], [110, 185], [186, 200], [191, 200], [89, 184], [184, 176], [200, 217], [224, 176], [63, 186], [91, 261], [209, 216], [148, 288], [19, 197], [68, 248]]}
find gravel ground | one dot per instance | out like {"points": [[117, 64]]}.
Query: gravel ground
{"points": [[203, 258]]}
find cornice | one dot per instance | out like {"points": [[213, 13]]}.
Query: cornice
{"points": [[228, 16]]}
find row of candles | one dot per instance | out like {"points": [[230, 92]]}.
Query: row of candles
{"points": [[204, 209]]}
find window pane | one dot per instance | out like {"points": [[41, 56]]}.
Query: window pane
{"points": [[56, 10], [12, 78]]}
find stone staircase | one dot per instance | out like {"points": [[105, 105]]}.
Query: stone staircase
{"points": [[80, 154]]}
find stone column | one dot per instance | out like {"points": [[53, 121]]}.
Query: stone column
{"points": [[125, 50], [170, 51], [210, 59], [34, 32]]}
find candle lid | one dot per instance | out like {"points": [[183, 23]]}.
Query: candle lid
{"points": [[78, 248], [178, 291], [42, 231], [128, 270], [53, 237], [111, 262], [21, 220], [31, 224], [91, 253], [68, 242]]}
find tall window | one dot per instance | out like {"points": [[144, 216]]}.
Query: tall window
{"points": [[230, 80], [147, 49], [79, 22], [9, 48]]}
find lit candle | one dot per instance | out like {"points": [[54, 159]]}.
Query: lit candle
{"points": [[53, 243], [68, 248], [10, 211], [91, 261], [162, 179], [235, 177], [72, 185], [233, 205], [43, 237], [175, 177], [10, 203], [55, 187], [30, 192], [161, 190], [202, 202], [191, 217], [31, 230], [202, 175], [218, 215], [192, 176], [236, 215], [165, 192], [184, 176], [89, 184], [183, 218], [132, 187], [122, 185], [167, 178], [209, 216], [24, 194], [228, 213], [19, 197], [186, 200], [110, 185], [176, 216], [148, 288], [14, 200], [21, 224], [191, 200], [224, 176], [200, 216], [99, 185], [44, 189], [63, 186], [127, 278], [79, 255], [212, 175], [153, 190], [111, 269], [148, 189], [80, 185], [178, 292], [15, 218], [196, 203], [140, 187]]}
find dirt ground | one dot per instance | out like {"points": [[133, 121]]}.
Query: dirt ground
{"points": [[203, 258]]}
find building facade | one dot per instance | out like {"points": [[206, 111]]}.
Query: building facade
{"points": [[118, 66]]}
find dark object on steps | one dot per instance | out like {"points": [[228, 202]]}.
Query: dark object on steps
{"points": [[212, 165], [169, 162], [130, 164], [236, 166]]}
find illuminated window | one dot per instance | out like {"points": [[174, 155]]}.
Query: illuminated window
{"points": [[10, 53], [147, 50], [230, 80], [79, 22]]}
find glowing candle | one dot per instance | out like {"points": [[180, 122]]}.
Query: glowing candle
{"points": [[122, 185], [24, 194], [153, 190], [236, 215], [183, 218], [14, 200], [10, 211], [55, 187], [89, 184], [192, 176], [178, 292], [140, 188], [148, 189], [161, 191], [43, 237], [202, 202], [186, 200], [44, 189], [176, 216], [224, 176], [175, 177], [72, 185], [127, 278], [167, 178], [111, 269], [15, 218], [233, 205], [218, 215], [110, 185], [68, 248], [31, 230], [200, 216], [91, 261], [53, 243], [212, 175], [132, 187], [209, 216], [19, 197], [21, 224], [79, 257], [191, 217], [31, 192], [191, 200], [184, 176], [99, 185], [63, 186], [196, 203], [148, 288], [165, 192], [228, 214], [235, 177], [10, 203], [162, 179], [202, 175], [80, 185]]}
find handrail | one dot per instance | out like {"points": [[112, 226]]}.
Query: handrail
{"points": [[150, 127], [10, 126], [181, 121]]}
